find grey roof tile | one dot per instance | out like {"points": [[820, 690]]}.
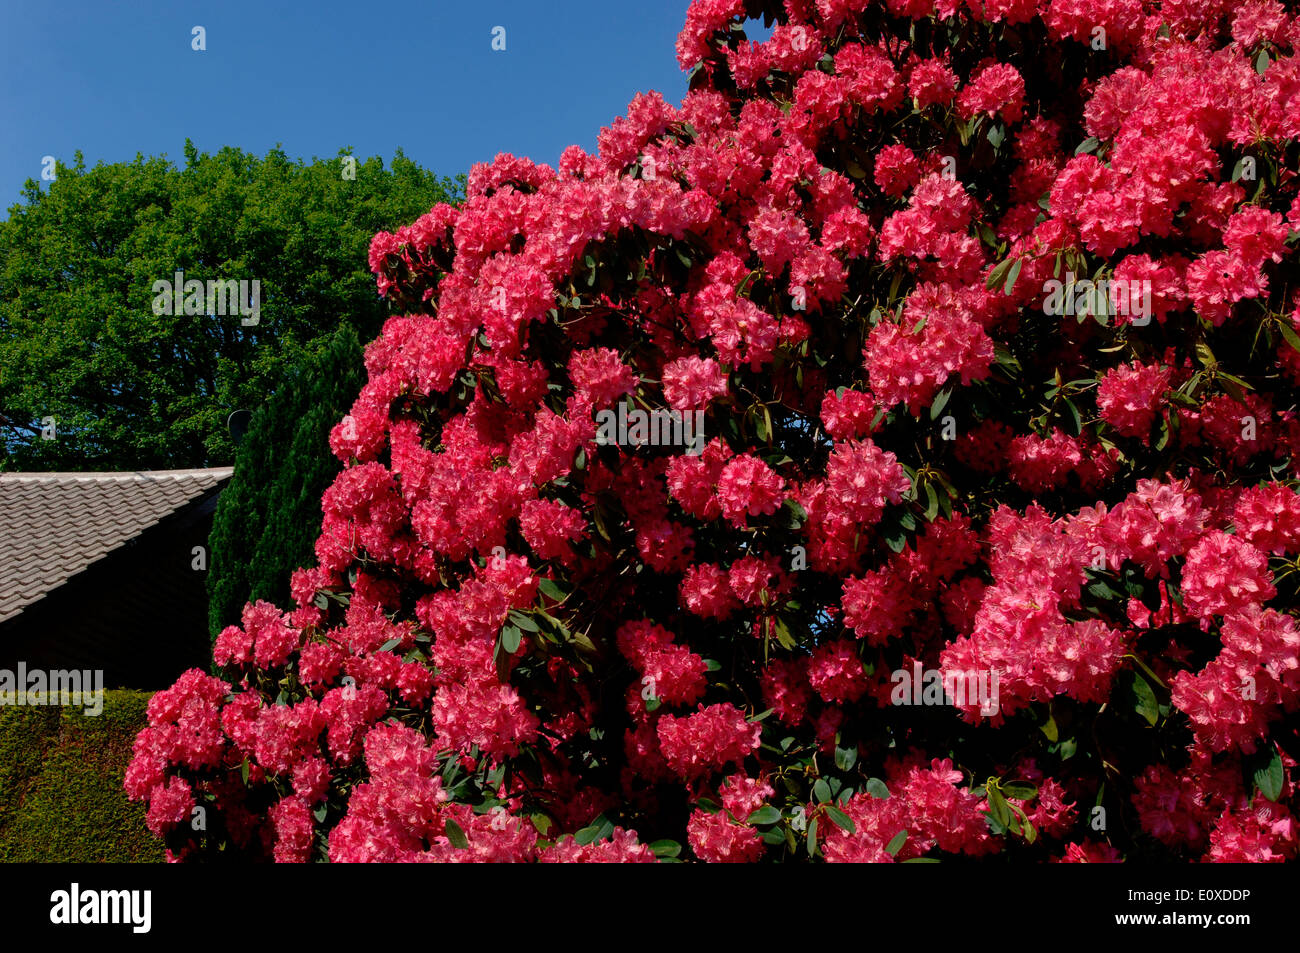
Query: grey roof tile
{"points": [[54, 525]]}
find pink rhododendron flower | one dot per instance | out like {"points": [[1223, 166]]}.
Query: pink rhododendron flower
{"points": [[837, 250]]}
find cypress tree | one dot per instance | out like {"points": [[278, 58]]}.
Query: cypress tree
{"points": [[269, 514]]}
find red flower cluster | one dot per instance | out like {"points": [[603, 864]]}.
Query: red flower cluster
{"points": [[1075, 535]]}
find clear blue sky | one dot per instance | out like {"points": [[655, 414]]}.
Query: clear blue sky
{"points": [[117, 77]]}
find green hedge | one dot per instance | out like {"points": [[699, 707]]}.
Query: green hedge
{"points": [[61, 796]]}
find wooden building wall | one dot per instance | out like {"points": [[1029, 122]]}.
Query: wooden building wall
{"points": [[139, 613]]}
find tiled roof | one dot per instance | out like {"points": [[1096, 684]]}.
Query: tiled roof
{"points": [[54, 525]]}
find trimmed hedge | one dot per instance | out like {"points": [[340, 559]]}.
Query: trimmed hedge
{"points": [[61, 797]]}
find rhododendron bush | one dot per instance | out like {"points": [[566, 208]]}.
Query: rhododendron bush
{"points": [[527, 640]]}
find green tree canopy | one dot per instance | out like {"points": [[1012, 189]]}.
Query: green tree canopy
{"points": [[128, 388]]}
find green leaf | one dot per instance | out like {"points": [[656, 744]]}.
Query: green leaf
{"points": [[1288, 333], [1049, 729], [580, 641], [1021, 825], [501, 659], [1145, 703], [812, 838], [997, 275], [1269, 779], [795, 515], [996, 826], [846, 758], [876, 788], [894, 285], [764, 815], [523, 620], [598, 517], [1234, 385], [842, 820], [821, 791], [896, 844], [940, 402], [1205, 355], [1088, 145], [999, 806], [390, 645], [598, 830], [1103, 590], [666, 848], [455, 835], [1166, 432], [744, 286], [552, 589], [1020, 790], [1076, 420], [784, 637], [510, 639], [1012, 276], [1261, 62], [931, 503], [1013, 820], [945, 503]]}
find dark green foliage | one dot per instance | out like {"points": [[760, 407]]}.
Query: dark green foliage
{"points": [[79, 341], [269, 515], [61, 797]]}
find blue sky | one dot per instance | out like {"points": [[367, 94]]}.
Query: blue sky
{"points": [[117, 77]]}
